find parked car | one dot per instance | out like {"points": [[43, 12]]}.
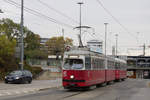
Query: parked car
{"points": [[19, 76]]}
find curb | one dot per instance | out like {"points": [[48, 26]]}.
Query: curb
{"points": [[42, 89]]}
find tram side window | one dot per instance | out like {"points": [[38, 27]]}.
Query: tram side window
{"points": [[117, 65], [99, 64], [94, 64], [121, 65], [109, 64], [88, 63], [102, 62], [125, 66], [114, 65]]}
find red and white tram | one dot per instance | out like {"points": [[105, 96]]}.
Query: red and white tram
{"points": [[84, 68]]}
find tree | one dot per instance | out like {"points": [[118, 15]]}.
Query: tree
{"points": [[33, 47], [9, 28], [7, 51], [56, 45], [31, 40], [10, 39]]}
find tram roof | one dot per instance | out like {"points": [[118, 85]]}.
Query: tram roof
{"points": [[86, 51], [82, 51], [120, 60]]}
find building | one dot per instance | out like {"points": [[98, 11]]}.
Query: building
{"points": [[139, 66], [43, 40], [95, 45]]}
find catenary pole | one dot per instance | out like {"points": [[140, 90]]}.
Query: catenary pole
{"points": [[80, 41], [116, 44], [106, 44]]}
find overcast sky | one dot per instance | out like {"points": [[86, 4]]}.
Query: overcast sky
{"points": [[134, 15]]}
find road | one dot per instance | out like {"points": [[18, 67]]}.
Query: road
{"points": [[131, 89], [36, 85]]}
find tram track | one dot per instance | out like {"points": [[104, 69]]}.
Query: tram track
{"points": [[104, 91], [97, 89], [72, 95]]}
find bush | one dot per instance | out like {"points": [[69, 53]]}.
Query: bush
{"points": [[9, 67], [36, 71]]}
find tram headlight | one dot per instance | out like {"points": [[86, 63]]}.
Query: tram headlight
{"points": [[72, 76]]}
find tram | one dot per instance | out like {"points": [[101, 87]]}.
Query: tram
{"points": [[85, 68]]}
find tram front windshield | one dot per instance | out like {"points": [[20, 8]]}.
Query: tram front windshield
{"points": [[73, 64]]}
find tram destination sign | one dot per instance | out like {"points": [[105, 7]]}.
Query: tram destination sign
{"points": [[95, 49]]}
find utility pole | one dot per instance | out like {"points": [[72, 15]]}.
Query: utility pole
{"points": [[113, 51], [105, 38], [144, 49], [80, 41], [106, 44], [116, 44], [63, 33], [21, 31]]}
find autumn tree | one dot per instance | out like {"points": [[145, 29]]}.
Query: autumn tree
{"points": [[31, 40], [56, 45], [10, 39], [7, 51], [33, 47]]}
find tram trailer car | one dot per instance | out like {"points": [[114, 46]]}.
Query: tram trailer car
{"points": [[120, 69], [84, 68]]}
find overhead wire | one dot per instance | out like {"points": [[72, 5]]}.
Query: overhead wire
{"points": [[115, 19], [38, 14], [57, 11]]}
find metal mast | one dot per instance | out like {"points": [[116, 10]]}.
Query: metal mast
{"points": [[116, 44], [80, 41], [106, 44]]}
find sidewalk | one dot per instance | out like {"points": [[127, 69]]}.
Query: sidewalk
{"points": [[36, 85]]}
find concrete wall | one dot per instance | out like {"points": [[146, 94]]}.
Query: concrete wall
{"points": [[48, 75]]}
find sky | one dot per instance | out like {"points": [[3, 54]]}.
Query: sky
{"points": [[132, 25]]}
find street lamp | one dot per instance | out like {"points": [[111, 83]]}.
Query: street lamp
{"points": [[116, 44], [80, 41]]}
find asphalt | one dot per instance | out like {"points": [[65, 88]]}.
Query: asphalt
{"points": [[130, 89], [36, 85]]}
